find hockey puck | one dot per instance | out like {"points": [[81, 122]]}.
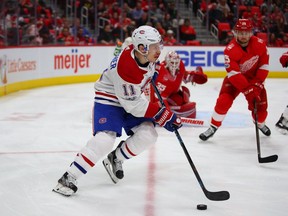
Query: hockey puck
{"points": [[201, 207]]}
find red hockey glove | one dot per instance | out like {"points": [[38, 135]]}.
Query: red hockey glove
{"points": [[167, 119], [284, 60], [252, 92], [196, 76]]}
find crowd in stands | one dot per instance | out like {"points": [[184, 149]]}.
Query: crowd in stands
{"points": [[24, 23], [269, 17]]}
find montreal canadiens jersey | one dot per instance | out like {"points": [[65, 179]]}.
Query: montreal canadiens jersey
{"points": [[123, 82], [252, 62]]}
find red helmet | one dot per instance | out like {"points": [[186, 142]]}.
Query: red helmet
{"points": [[243, 25]]}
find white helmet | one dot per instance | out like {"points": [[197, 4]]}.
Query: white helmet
{"points": [[172, 60], [145, 35]]}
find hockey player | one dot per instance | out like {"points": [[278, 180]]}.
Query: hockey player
{"points": [[119, 104], [172, 73], [246, 63], [282, 124]]}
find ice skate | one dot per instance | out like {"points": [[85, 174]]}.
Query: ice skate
{"points": [[281, 125], [66, 185], [265, 130], [208, 133], [114, 166]]}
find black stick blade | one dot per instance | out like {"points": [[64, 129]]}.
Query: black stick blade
{"points": [[268, 159], [217, 196]]}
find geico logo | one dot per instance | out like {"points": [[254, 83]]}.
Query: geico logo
{"points": [[202, 58]]}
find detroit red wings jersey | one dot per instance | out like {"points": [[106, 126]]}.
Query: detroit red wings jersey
{"points": [[251, 62], [122, 84], [168, 84]]}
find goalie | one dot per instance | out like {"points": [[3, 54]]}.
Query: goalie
{"points": [[172, 73]]}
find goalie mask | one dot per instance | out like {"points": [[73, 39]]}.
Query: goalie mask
{"points": [[172, 60], [146, 35]]}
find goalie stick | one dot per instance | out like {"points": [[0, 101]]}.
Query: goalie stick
{"points": [[215, 196], [267, 159]]}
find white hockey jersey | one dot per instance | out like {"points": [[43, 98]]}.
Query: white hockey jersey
{"points": [[123, 82]]}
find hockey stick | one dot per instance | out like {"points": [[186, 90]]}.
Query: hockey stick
{"points": [[268, 159], [215, 196], [193, 122]]}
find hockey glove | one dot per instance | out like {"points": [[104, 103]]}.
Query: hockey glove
{"points": [[284, 60], [196, 76], [252, 93], [167, 119]]}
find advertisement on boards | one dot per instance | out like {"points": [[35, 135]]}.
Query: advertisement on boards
{"points": [[24, 64]]}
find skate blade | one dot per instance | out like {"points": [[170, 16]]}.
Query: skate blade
{"points": [[65, 191], [107, 165]]}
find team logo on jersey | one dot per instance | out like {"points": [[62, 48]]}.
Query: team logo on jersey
{"points": [[3, 69], [102, 120], [247, 65], [226, 61]]}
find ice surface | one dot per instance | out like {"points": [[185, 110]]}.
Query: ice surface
{"points": [[42, 129]]}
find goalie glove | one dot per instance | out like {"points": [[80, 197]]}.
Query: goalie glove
{"points": [[196, 76], [167, 119], [284, 60]]}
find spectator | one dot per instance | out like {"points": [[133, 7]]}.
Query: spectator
{"points": [[106, 36], [82, 39], [274, 41], [143, 19], [125, 21], [65, 37], [31, 34], [172, 10], [225, 9], [160, 29], [137, 12], [167, 22], [101, 9], [155, 13], [115, 20], [75, 27], [285, 40], [187, 32], [169, 38], [114, 9], [203, 6], [44, 32]]}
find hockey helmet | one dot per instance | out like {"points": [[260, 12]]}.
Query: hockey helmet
{"points": [[243, 25], [146, 35], [172, 60]]}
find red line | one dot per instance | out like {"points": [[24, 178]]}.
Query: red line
{"points": [[150, 193], [37, 152]]}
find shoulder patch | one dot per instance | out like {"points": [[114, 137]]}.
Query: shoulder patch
{"points": [[128, 69]]}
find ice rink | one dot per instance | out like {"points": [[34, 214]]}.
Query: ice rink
{"points": [[42, 129]]}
